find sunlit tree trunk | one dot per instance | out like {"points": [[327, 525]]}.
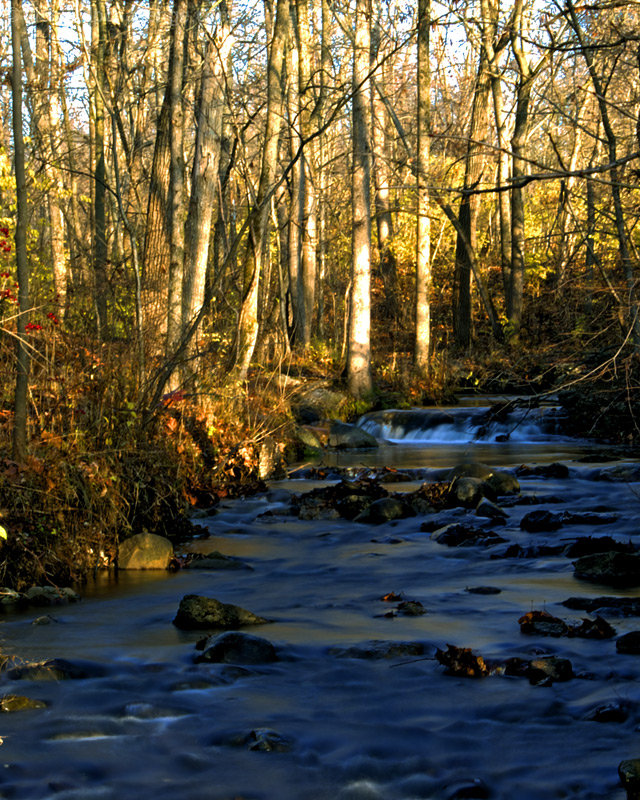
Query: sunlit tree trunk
{"points": [[359, 344], [423, 224], [308, 221], [381, 178], [20, 406]]}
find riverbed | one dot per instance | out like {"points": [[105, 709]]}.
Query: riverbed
{"points": [[332, 719]]}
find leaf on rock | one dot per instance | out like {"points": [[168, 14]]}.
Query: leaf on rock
{"points": [[461, 662]]}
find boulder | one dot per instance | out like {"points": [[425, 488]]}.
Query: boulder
{"points": [[386, 509], [343, 436], [145, 551], [237, 648], [501, 483], [546, 670], [610, 568], [466, 491], [486, 508], [199, 613]]}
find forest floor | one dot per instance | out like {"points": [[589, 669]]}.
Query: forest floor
{"points": [[100, 470]]}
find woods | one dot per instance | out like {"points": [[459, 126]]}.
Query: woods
{"points": [[194, 196]]}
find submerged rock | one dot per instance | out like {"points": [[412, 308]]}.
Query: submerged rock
{"points": [[555, 470], [50, 596], [616, 711], [264, 740], [460, 534], [215, 560], [16, 702], [377, 650], [474, 789], [145, 551], [197, 612], [386, 509], [588, 545], [611, 568], [613, 606], [237, 648], [541, 520], [629, 643], [56, 669]]}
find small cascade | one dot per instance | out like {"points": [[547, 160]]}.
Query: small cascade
{"points": [[510, 422]]}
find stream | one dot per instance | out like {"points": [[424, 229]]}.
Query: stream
{"points": [[328, 720]]}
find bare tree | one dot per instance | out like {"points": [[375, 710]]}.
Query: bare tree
{"points": [[423, 230]]}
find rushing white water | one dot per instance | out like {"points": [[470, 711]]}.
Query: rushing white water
{"points": [[151, 723]]}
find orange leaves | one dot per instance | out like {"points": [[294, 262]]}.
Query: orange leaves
{"points": [[462, 662]]}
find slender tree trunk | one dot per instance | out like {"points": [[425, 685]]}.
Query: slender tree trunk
{"points": [[175, 80], [249, 318], [381, 180], [98, 50], [296, 298], [423, 229], [20, 407], [204, 176], [469, 204], [308, 222], [46, 131]]}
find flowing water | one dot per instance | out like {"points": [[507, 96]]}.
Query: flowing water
{"points": [[148, 722]]}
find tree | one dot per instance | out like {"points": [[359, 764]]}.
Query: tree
{"points": [[22, 348], [423, 229], [359, 345], [258, 226]]}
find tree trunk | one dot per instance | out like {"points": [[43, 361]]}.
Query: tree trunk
{"points": [[98, 48], [423, 225], [249, 319], [469, 204], [359, 344], [381, 180], [176, 203], [20, 406], [204, 176], [308, 221]]}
